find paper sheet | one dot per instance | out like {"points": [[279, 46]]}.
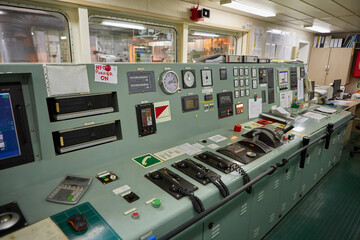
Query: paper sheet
{"points": [[313, 115], [255, 108], [217, 138], [325, 110], [189, 149], [169, 153], [300, 88], [286, 99], [213, 146], [66, 79]]}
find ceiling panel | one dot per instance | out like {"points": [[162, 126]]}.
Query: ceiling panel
{"points": [[329, 7], [281, 17], [300, 22], [301, 7], [354, 20], [351, 5], [339, 23]]}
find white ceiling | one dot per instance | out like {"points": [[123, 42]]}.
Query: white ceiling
{"points": [[341, 15]]}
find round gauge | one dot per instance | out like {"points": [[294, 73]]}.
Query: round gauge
{"points": [[189, 80], [169, 82]]}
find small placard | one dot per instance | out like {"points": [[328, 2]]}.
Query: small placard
{"points": [[106, 73], [147, 160]]}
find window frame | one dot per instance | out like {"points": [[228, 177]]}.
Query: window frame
{"points": [[130, 20], [48, 9], [233, 34]]}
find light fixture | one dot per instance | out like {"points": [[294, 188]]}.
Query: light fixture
{"points": [[317, 29], [204, 34], [63, 37], [122, 25], [244, 7]]}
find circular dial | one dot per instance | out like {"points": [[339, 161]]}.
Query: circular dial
{"points": [[188, 79], [169, 82]]}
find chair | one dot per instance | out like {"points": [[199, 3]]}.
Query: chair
{"points": [[357, 144]]}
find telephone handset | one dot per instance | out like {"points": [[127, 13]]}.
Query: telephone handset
{"points": [[175, 185], [217, 162]]}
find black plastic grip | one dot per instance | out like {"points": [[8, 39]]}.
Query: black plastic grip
{"points": [[306, 141], [330, 130]]}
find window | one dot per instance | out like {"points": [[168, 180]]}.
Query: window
{"points": [[202, 44], [124, 41], [29, 35]]}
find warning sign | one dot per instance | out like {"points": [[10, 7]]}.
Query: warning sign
{"points": [[162, 111], [147, 160], [106, 73]]}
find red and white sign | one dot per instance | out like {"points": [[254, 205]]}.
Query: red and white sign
{"points": [[162, 111], [106, 73]]}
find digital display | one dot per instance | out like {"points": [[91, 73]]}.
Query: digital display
{"points": [[9, 144], [146, 117], [189, 103], [77, 179], [225, 99]]}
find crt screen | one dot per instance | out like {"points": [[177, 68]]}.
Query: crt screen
{"points": [[9, 144], [225, 100], [190, 104]]}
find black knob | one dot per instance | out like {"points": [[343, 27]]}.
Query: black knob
{"points": [[173, 188], [204, 141], [200, 175], [181, 165], [155, 175], [221, 165]]}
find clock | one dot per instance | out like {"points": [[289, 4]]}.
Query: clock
{"points": [[169, 82], [206, 77], [188, 78]]}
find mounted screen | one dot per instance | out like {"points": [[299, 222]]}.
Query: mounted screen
{"points": [[9, 142], [15, 142]]}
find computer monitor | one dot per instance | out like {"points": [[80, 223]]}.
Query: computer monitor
{"points": [[336, 88], [15, 142]]}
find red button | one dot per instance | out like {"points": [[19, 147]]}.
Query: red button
{"points": [[237, 128], [135, 215]]}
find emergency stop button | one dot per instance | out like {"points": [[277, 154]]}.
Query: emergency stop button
{"points": [[135, 215]]}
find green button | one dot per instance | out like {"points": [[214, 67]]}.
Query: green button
{"points": [[293, 135], [69, 197], [156, 203]]}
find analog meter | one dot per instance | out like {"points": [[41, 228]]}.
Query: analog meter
{"points": [[188, 77], [169, 82], [206, 78]]}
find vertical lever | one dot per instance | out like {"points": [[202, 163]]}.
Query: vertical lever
{"points": [[306, 141], [330, 130]]}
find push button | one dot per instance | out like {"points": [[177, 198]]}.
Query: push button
{"points": [[135, 215], [156, 203]]}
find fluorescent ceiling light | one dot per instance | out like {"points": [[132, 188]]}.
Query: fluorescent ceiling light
{"points": [[63, 37], [318, 29], [122, 25], [203, 34], [247, 8]]}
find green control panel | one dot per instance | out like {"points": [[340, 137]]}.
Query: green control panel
{"points": [[140, 129]]}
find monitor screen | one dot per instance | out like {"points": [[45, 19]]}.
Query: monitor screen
{"points": [[9, 143], [283, 77]]}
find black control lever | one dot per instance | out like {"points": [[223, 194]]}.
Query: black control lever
{"points": [[288, 129]]}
